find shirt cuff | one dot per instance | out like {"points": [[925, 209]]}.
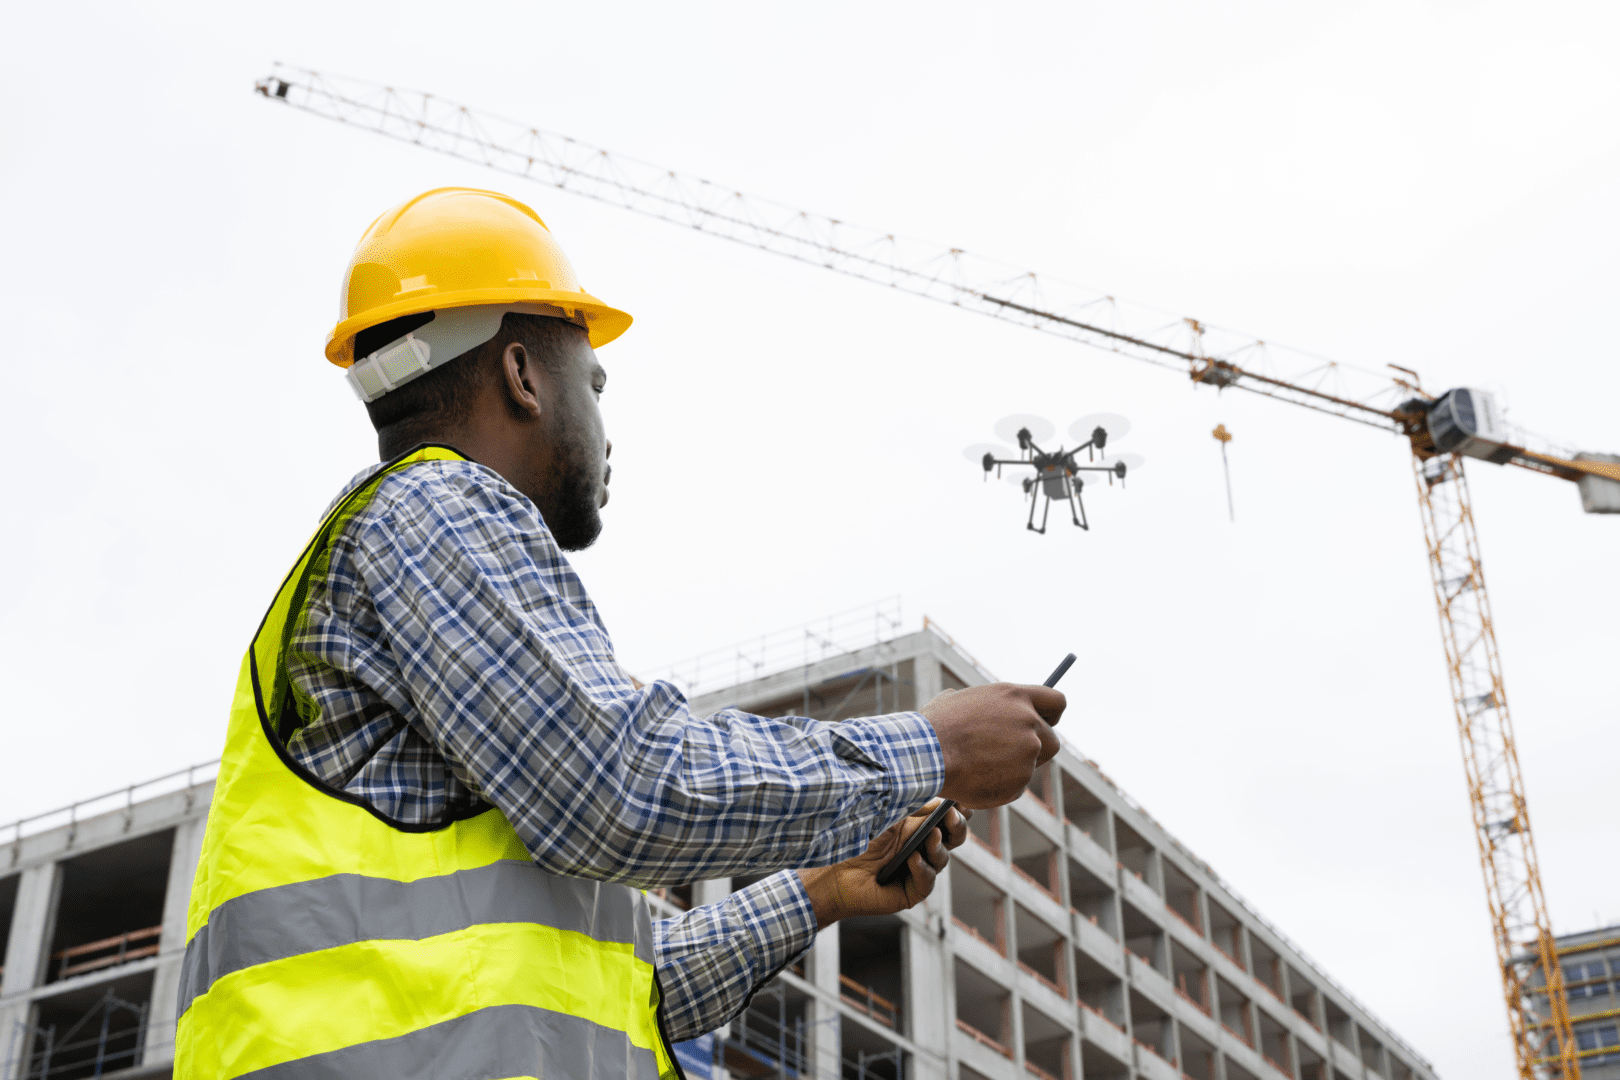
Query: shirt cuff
{"points": [[712, 960], [905, 747], [781, 919]]}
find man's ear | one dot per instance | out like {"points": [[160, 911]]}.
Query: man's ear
{"points": [[522, 376]]}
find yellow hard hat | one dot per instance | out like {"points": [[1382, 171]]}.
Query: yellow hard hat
{"points": [[461, 247]]}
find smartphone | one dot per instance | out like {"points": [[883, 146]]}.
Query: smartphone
{"points": [[896, 869]]}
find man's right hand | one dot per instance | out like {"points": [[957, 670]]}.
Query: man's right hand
{"points": [[993, 738]]}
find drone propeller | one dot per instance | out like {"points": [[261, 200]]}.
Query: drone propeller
{"points": [[975, 452], [1040, 429], [1132, 462], [1114, 424]]}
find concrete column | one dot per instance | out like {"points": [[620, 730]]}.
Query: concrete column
{"points": [[1107, 840], [710, 892], [721, 1034], [926, 675], [1057, 775], [1355, 1046], [930, 991], [823, 1039], [1068, 927], [160, 1024], [704, 893], [32, 923], [1015, 1003], [1118, 882]]}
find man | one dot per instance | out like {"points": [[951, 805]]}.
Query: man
{"points": [[440, 795]]}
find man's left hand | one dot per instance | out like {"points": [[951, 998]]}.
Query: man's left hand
{"points": [[850, 887]]}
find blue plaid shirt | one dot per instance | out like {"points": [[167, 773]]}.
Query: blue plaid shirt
{"points": [[455, 658]]}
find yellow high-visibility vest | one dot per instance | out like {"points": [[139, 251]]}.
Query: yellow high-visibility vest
{"points": [[326, 942]]}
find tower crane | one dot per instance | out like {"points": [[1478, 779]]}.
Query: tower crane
{"points": [[1442, 431]]}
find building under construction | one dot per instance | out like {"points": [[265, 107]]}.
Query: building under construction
{"points": [[1590, 962], [1071, 939]]}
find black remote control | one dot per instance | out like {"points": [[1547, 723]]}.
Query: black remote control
{"points": [[896, 869]]}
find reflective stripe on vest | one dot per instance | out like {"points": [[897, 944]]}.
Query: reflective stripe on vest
{"points": [[326, 942]]}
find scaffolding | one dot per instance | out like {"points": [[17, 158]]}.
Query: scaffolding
{"points": [[55, 1053], [770, 1038], [770, 653]]}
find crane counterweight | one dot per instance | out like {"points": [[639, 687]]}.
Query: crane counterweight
{"points": [[1599, 494]]}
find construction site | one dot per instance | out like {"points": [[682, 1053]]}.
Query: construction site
{"points": [[1072, 938], [447, 800]]}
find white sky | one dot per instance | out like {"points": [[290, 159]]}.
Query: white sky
{"points": [[1428, 184]]}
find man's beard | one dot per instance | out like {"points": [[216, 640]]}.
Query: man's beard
{"points": [[573, 512], [573, 516]]}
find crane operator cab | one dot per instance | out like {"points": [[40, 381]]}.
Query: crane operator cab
{"points": [[1465, 421]]}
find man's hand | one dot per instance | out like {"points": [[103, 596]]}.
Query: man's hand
{"points": [[850, 887], [994, 737]]}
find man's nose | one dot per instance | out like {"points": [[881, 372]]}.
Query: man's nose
{"points": [[609, 449]]}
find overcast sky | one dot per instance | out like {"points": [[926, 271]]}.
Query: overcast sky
{"points": [[1427, 184]]}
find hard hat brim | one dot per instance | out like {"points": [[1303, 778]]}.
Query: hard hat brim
{"points": [[601, 322]]}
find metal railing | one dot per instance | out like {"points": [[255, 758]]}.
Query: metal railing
{"points": [[863, 998], [1043, 980], [783, 650], [124, 798], [933, 624], [982, 1039], [108, 952], [973, 931], [1099, 1014]]}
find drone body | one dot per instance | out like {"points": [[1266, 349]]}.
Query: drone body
{"points": [[1057, 472]]}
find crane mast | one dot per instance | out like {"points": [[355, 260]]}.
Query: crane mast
{"points": [[1538, 1016], [1532, 981]]}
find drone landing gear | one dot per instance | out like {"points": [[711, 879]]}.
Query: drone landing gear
{"points": [[1031, 524], [1076, 502], [1077, 507]]}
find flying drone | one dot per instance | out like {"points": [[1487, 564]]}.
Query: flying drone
{"points": [[1057, 472]]}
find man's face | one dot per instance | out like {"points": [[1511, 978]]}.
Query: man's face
{"points": [[578, 448]]}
